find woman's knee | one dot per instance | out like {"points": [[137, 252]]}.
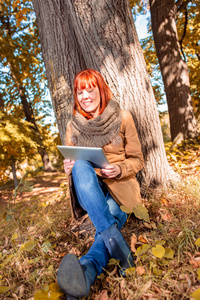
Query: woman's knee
{"points": [[81, 166], [83, 172]]}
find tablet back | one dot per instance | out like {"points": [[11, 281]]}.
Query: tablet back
{"points": [[94, 155]]}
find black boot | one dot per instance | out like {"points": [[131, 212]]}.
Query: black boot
{"points": [[118, 248], [75, 279], [117, 253]]}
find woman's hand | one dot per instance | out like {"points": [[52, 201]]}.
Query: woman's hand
{"points": [[68, 164], [111, 171]]}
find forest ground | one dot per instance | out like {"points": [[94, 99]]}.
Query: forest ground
{"points": [[37, 230]]}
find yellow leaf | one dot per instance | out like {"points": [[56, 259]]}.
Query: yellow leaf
{"points": [[113, 261], [126, 209], [157, 271], [161, 242], [8, 259], [141, 213], [54, 287], [130, 271], [158, 251], [47, 295], [169, 253], [28, 246], [196, 294], [101, 276], [14, 236], [197, 243], [142, 249], [4, 289]]}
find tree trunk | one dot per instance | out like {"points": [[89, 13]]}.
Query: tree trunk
{"points": [[174, 70], [31, 119], [28, 110], [101, 35], [16, 182]]}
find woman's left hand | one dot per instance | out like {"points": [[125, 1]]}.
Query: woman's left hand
{"points": [[111, 171]]}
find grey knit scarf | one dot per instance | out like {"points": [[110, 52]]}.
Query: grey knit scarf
{"points": [[100, 131]]}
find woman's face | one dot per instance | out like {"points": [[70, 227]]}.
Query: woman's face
{"points": [[89, 100]]}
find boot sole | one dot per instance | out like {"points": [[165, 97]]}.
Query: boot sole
{"points": [[71, 278]]}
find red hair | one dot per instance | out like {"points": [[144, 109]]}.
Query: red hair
{"points": [[91, 78]]}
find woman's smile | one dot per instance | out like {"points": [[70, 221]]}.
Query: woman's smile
{"points": [[89, 100]]}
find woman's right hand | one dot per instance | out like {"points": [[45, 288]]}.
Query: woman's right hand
{"points": [[68, 164]]}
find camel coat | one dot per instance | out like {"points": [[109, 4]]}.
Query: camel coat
{"points": [[127, 155]]}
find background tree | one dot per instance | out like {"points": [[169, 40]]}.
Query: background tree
{"points": [[173, 68], [21, 67], [17, 143], [177, 48], [101, 34]]}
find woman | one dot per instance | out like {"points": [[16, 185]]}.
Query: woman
{"points": [[98, 121]]}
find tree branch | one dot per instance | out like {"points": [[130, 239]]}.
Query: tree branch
{"points": [[181, 5]]}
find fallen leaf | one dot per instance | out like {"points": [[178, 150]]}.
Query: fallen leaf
{"points": [[169, 253], [104, 295], [142, 239], [164, 201], [141, 213], [126, 209], [47, 295], [28, 246], [14, 236], [157, 271], [196, 294], [133, 242], [4, 289], [140, 270], [197, 243], [167, 217], [130, 271], [158, 251], [195, 263], [142, 249]]}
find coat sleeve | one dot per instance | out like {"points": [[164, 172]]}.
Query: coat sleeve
{"points": [[134, 158]]}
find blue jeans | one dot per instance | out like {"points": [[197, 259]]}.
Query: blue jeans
{"points": [[101, 208]]}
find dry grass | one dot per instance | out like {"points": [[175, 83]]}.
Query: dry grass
{"points": [[42, 218]]}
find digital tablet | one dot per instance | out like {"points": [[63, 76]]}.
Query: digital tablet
{"points": [[94, 155]]}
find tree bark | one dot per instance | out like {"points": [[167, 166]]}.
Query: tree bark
{"points": [[101, 35], [174, 70]]}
